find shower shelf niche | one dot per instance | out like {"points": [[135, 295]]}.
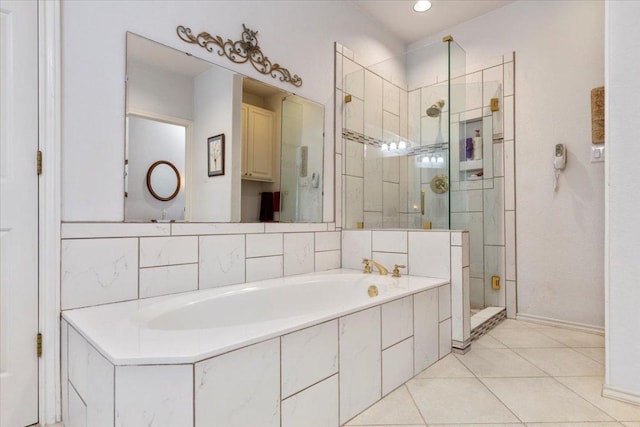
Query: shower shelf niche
{"points": [[471, 165]]}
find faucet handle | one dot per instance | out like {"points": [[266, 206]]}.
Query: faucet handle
{"points": [[396, 270], [367, 266]]}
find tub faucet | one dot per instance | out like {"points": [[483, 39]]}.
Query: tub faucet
{"points": [[369, 262]]}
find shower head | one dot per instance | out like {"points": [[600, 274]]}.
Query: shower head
{"points": [[435, 109]]}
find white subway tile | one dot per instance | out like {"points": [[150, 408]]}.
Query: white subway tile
{"points": [[353, 78], [327, 260], [222, 260], [98, 271], [391, 205], [397, 365], [338, 66], [168, 280], [283, 227], [299, 254], [154, 395], [444, 302], [329, 241], [429, 254], [308, 356], [372, 105], [212, 228], [476, 292], [511, 299], [404, 114], [445, 338], [474, 91], [390, 241], [508, 78], [264, 244], [354, 158], [509, 176], [156, 251], [508, 118], [354, 115], [338, 193], [491, 84], [373, 169], [373, 220], [356, 245], [223, 383], [397, 321], [494, 265], [494, 213], [264, 268], [466, 248], [391, 98], [425, 329], [510, 245]]}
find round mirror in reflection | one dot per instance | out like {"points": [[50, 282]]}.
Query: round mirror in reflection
{"points": [[163, 180]]}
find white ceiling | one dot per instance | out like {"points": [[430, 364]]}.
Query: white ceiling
{"points": [[399, 18]]}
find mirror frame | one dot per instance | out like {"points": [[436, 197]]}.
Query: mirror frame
{"points": [[150, 187]]}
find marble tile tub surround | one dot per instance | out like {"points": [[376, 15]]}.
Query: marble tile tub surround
{"points": [[430, 253], [323, 375], [112, 262]]}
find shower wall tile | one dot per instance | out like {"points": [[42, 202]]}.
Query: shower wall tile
{"points": [[373, 219], [433, 130], [425, 329], [391, 169], [404, 114], [508, 79], [491, 84], [240, 388], [77, 413], [445, 338], [472, 222], [339, 69], [339, 185], [339, 115], [222, 260], [154, 395], [466, 201], [391, 202], [494, 213], [390, 241], [259, 245], [354, 158], [498, 159], [474, 90], [432, 94], [308, 356], [476, 293], [315, 406], [354, 200], [373, 179], [397, 365], [487, 143], [171, 279], [444, 292], [327, 260], [511, 299], [299, 253], [360, 362], [391, 98], [508, 118], [86, 230], [410, 220], [397, 321], [460, 304], [391, 127], [413, 116], [98, 271], [429, 254], [353, 78], [354, 115], [264, 268], [494, 265], [328, 241], [372, 105], [510, 237], [509, 176], [403, 174], [156, 251], [348, 53], [356, 245]]}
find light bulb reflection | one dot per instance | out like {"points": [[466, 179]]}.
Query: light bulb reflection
{"points": [[393, 146], [402, 145], [384, 147]]}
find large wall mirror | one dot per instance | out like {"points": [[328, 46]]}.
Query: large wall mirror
{"points": [[269, 167]]}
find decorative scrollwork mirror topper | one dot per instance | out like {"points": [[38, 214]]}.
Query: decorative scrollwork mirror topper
{"points": [[240, 51]]}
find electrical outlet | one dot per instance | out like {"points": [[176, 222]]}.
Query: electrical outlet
{"points": [[495, 282]]}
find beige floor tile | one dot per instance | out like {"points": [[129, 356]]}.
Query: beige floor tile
{"points": [[633, 424], [498, 363], [396, 408], [457, 400], [562, 362], [447, 367], [487, 341], [478, 425], [574, 338], [590, 388], [514, 324], [596, 354], [543, 400], [594, 424], [519, 338], [393, 425]]}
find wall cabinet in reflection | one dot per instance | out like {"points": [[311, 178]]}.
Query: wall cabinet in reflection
{"points": [[257, 143]]}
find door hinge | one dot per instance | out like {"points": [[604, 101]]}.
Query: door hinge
{"points": [[39, 163], [39, 345]]}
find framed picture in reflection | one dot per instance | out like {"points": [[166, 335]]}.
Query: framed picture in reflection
{"points": [[215, 150]]}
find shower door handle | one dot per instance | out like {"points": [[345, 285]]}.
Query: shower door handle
{"points": [[422, 202]]}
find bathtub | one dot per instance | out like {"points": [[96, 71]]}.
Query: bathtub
{"points": [[279, 352]]}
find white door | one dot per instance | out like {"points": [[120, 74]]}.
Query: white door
{"points": [[18, 213]]}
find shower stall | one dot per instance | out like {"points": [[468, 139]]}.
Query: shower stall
{"points": [[423, 147]]}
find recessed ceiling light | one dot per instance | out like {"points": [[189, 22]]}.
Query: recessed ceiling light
{"points": [[422, 6]]}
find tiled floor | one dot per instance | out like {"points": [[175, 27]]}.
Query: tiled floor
{"points": [[520, 374]]}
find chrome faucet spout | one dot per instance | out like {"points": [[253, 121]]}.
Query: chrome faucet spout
{"points": [[369, 262]]}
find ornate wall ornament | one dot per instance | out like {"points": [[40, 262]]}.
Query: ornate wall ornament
{"points": [[244, 50]]}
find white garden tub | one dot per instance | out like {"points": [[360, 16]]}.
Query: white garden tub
{"points": [[308, 350], [186, 328]]}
